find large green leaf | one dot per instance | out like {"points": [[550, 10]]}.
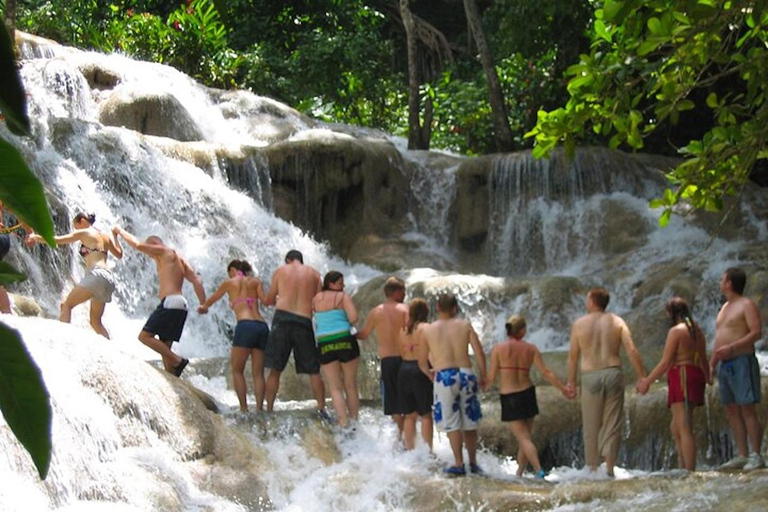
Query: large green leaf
{"points": [[9, 275], [13, 102], [22, 192], [24, 400]]}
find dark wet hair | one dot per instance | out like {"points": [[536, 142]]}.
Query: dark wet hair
{"points": [[678, 312], [600, 297], [447, 303], [331, 277], [90, 217], [393, 285], [418, 312], [241, 266], [738, 279], [294, 255]]}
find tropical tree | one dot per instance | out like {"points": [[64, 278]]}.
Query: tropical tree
{"points": [[418, 133], [700, 66], [24, 400], [502, 131]]}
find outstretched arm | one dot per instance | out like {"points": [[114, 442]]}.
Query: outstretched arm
{"points": [[494, 368], [632, 352], [210, 301], [548, 374], [113, 245], [670, 348], [271, 298], [424, 359], [148, 249], [191, 276], [350, 309], [573, 358], [370, 324], [75, 236], [479, 354]]}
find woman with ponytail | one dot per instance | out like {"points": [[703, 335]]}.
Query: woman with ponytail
{"points": [[685, 362], [251, 331], [98, 284]]}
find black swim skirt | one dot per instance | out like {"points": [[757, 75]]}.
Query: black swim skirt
{"points": [[519, 406], [415, 389], [343, 349]]}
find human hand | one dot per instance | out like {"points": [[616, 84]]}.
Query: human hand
{"points": [[202, 310], [569, 392], [33, 239], [116, 230], [642, 386]]}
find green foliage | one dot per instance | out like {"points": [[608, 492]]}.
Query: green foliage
{"points": [[24, 400], [653, 63], [338, 60], [463, 117]]}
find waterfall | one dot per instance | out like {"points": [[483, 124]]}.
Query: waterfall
{"points": [[150, 185]]}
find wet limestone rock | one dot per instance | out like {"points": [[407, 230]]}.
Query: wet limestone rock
{"points": [[337, 187], [149, 113]]}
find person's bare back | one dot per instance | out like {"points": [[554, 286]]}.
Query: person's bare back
{"points": [[448, 341], [387, 320], [515, 358], [292, 288], [599, 337]]}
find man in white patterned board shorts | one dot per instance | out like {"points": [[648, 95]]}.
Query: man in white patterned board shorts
{"points": [[456, 408]]}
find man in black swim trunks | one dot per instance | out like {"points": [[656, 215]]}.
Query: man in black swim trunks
{"points": [[167, 321], [291, 291]]}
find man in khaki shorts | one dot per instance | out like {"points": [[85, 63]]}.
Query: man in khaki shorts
{"points": [[596, 339]]}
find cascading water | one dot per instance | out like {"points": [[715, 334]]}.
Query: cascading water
{"points": [[129, 437]]}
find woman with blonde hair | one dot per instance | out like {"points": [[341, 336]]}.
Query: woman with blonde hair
{"points": [[512, 360]]}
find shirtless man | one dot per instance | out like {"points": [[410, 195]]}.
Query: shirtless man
{"points": [[738, 328], [596, 339], [166, 323], [457, 409], [387, 320], [291, 291]]}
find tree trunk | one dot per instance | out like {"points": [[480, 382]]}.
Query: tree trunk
{"points": [[502, 131], [415, 132], [10, 20]]}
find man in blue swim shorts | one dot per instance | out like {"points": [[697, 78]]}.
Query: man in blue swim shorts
{"points": [[738, 328]]}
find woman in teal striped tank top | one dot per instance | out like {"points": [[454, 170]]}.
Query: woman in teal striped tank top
{"points": [[337, 348]]}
